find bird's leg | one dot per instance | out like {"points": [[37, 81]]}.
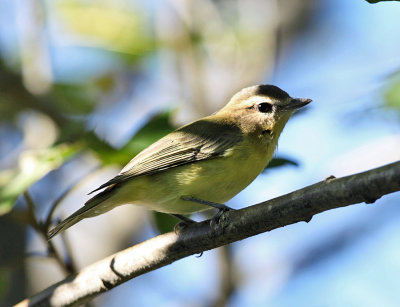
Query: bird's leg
{"points": [[221, 207]]}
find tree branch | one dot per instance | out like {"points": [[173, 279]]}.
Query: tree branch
{"points": [[236, 225], [376, 1]]}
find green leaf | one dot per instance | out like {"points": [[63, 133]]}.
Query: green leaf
{"points": [[156, 128], [392, 96], [33, 165], [104, 151], [72, 99], [164, 222], [281, 161], [108, 25]]}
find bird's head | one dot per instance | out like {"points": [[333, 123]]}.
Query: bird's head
{"points": [[262, 109]]}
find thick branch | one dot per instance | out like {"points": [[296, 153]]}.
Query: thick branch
{"points": [[164, 249]]}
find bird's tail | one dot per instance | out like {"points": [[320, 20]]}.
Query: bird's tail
{"points": [[90, 209]]}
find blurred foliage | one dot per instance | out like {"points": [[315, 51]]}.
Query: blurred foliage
{"points": [[33, 165], [93, 20], [68, 104], [3, 283], [392, 95], [156, 127], [164, 222], [73, 99], [281, 161]]}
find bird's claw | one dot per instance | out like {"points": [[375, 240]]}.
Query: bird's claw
{"points": [[217, 221]]}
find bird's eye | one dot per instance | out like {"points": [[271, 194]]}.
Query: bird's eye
{"points": [[265, 107]]}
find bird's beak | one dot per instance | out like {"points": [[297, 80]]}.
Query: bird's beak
{"points": [[296, 103]]}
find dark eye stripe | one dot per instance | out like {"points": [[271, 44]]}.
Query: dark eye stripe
{"points": [[265, 107]]}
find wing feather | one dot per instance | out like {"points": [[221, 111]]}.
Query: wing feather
{"points": [[194, 142]]}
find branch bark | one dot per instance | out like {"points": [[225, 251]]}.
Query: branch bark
{"points": [[300, 205]]}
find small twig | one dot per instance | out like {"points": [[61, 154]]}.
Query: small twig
{"points": [[53, 207], [31, 211], [70, 261], [51, 250], [67, 267]]}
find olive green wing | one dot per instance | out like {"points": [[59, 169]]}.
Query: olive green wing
{"points": [[201, 140]]}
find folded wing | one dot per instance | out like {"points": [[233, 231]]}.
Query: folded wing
{"points": [[200, 140]]}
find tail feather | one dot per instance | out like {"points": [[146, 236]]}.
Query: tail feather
{"points": [[88, 210], [68, 222]]}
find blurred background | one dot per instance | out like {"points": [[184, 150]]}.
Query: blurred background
{"points": [[85, 85]]}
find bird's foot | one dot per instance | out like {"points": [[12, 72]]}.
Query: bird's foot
{"points": [[217, 218], [217, 221]]}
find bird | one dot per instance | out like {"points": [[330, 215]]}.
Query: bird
{"points": [[202, 164]]}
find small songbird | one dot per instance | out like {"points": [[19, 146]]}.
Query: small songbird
{"points": [[202, 164]]}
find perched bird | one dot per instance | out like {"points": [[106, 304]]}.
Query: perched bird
{"points": [[202, 164]]}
